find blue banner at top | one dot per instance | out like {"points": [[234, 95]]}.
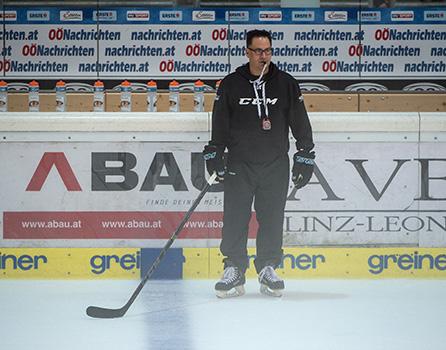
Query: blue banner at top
{"points": [[169, 16]]}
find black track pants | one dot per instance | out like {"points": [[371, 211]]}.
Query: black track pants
{"points": [[267, 186]]}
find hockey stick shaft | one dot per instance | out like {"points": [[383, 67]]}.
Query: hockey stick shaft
{"points": [[99, 312]]}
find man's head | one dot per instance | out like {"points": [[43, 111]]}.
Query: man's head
{"points": [[258, 50]]}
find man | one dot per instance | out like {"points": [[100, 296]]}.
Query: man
{"points": [[253, 111]]}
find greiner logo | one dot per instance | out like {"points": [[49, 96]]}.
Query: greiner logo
{"points": [[415, 261], [22, 262], [102, 263], [255, 101], [303, 261]]}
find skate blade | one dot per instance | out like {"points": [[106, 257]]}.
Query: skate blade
{"points": [[277, 293], [232, 293]]}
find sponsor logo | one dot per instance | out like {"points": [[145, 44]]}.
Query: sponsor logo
{"points": [[402, 16], [237, 16], [369, 16], [302, 261], [203, 16], [23, 262], [335, 16], [366, 87], [299, 262], [138, 15], [302, 16], [435, 16], [379, 263], [275, 16], [171, 15], [8, 15], [101, 263], [104, 15], [38, 15], [424, 87], [313, 87], [79, 87], [255, 101], [71, 15]]}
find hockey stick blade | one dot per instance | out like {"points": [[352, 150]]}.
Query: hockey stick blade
{"points": [[101, 312]]}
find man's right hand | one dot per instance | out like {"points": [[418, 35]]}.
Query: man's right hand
{"points": [[213, 156]]}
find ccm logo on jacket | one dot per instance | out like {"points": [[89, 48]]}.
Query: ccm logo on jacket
{"points": [[255, 101]]}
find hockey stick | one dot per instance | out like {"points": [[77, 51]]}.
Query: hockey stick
{"points": [[100, 312]]}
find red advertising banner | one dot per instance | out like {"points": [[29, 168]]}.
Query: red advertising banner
{"points": [[118, 225]]}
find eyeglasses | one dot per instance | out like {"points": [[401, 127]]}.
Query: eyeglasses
{"points": [[268, 51]]}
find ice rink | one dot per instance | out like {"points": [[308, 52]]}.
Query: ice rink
{"points": [[185, 314]]}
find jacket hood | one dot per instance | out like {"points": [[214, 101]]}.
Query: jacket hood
{"points": [[245, 73]]}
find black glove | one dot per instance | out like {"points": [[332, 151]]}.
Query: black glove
{"points": [[213, 156], [302, 167]]}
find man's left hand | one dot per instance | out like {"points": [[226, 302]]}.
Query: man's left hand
{"points": [[302, 167]]}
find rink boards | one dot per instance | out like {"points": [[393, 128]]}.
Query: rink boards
{"points": [[204, 263]]}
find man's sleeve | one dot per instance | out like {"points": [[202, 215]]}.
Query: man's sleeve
{"points": [[298, 119], [220, 118]]}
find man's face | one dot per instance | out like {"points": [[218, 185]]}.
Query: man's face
{"points": [[258, 53]]}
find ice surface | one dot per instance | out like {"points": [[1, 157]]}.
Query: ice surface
{"points": [[312, 315]]}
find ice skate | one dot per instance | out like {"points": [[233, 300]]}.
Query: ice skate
{"points": [[270, 284], [231, 284]]}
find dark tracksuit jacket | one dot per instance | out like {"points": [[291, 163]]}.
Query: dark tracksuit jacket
{"points": [[257, 161]]}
